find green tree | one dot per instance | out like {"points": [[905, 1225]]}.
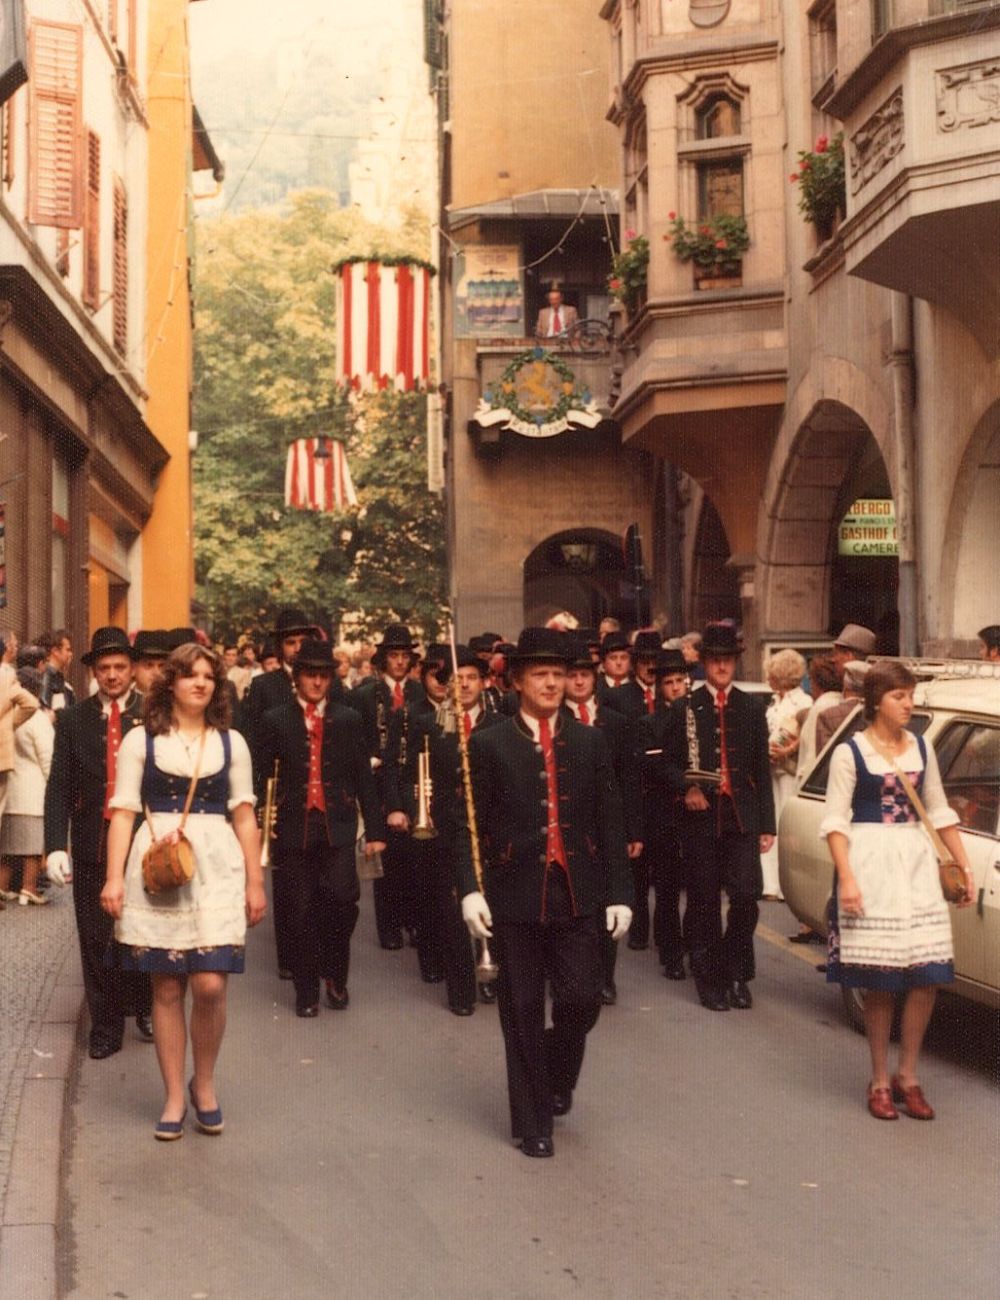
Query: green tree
{"points": [[264, 376]]}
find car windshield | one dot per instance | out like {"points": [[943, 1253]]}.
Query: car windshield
{"points": [[818, 777]]}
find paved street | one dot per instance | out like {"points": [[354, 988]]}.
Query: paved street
{"points": [[366, 1154]]}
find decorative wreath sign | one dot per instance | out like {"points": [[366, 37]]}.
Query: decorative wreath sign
{"points": [[537, 396]]}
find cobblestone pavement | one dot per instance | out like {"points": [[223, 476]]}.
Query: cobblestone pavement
{"points": [[33, 945]]}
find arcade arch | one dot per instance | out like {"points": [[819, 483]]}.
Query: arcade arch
{"points": [[581, 570], [969, 569]]}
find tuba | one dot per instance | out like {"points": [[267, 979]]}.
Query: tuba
{"points": [[269, 817], [423, 827]]}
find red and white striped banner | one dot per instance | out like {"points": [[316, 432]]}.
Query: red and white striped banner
{"points": [[318, 484], [382, 326]]}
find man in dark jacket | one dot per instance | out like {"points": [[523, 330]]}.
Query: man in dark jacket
{"points": [[81, 782], [555, 874], [716, 757], [323, 773]]}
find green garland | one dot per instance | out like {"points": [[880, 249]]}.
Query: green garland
{"points": [[390, 259], [503, 394]]}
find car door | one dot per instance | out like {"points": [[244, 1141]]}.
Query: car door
{"points": [[968, 753]]}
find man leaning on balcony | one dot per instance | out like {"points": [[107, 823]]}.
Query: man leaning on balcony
{"points": [[557, 319]]}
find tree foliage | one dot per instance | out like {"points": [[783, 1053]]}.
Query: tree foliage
{"points": [[264, 371]]}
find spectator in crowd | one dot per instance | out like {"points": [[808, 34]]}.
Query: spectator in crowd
{"points": [[22, 834], [270, 659], [691, 650], [854, 642], [989, 641], [56, 691], [829, 721], [342, 670], [607, 625], [30, 656], [825, 677], [16, 706], [784, 671]]}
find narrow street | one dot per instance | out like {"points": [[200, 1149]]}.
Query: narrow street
{"points": [[706, 1155]]}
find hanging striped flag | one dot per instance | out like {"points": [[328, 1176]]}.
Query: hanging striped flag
{"points": [[382, 326], [322, 483]]}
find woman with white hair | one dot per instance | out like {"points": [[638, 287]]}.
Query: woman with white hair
{"points": [[784, 671]]}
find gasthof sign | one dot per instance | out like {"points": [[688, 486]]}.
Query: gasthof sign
{"points": [[869, 528]]}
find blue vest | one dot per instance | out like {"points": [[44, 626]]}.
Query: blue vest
{"points": [[882, 799], [162, 792]]}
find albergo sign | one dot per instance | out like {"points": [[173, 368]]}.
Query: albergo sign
{"points": [[869, 528]]}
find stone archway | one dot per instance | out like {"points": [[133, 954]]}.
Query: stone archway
{"points": [[715, 585], [581, 570], [833, 458], [969, 574]]}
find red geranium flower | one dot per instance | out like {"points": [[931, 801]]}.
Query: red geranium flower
{"points": [[822, 144], [671, 216]]}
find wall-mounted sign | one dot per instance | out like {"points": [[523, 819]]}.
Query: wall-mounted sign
{"points": [[489, 298], [537, 396], [869, 528]]}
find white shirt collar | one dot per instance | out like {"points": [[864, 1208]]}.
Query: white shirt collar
{"points": [[392, 683], [123, 701], [533, 724], [591, 704], [320, 707], [612, 683]]}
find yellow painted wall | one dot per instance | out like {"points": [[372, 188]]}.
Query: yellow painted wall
{"points": [[167, 542], [529, 91]]}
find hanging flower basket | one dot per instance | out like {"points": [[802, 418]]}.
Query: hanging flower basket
{"points": [[822, 184], [629, 270], [715, 246]]}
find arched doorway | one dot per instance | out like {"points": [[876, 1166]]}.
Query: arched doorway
{"points": [[969, 569], [715, 591], [809, 587], [582, 571]]}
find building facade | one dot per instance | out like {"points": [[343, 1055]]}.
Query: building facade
{"points": [[836, 395]]}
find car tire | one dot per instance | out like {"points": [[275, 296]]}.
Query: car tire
{"points": [[854, 1007]]}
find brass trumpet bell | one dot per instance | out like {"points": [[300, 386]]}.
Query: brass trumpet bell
{"points": [[486, 968], [423, 826]]}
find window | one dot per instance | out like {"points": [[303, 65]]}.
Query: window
{"points": [[815, 783], [716, 117], [636, 178], [716, 149], [119, 324], [720, 188], [823, 48], [881, 18], [60, 538], [969, 758], [92, 225], [54, 191]]}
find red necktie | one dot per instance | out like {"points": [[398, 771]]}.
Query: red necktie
{"points": [[556, 322], [467, 724], [397, 696], [726, 785], [111, 755], [650, 700], [584, 714], [315, 798], [554, 848]]}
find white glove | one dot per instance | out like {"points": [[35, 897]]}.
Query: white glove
{"points": [[618, 918], [58, 868], [476, 915]]}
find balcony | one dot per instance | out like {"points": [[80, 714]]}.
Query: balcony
{"points": [[921, 116]]}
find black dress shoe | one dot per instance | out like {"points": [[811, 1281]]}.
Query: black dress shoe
{"points": [[638, 945], [336, 999], [562, 1103], [674, 970], [411, 935], [537, 1147], [488, 992], [391, 942], [460, 1011], [432, 976], [609, 995], [284, 973], [713, 1000], [307, 1011], [740, 997], [101, 1047], [144, 1024]]}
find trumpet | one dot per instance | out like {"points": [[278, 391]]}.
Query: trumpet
{"points": [[423, 827], [269, 817]]}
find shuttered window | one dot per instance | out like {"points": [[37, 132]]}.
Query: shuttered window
{"points": [[119, 323], [92, 225], [55, 130]]}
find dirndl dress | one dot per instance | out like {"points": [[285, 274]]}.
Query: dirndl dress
{"points": [[904, 938], [202, 925]]}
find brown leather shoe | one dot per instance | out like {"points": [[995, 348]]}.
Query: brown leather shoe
{"points": [[912, 1100], [880, 1103]]}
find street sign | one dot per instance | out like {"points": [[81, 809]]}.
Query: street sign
{"points": [[869, 529]]}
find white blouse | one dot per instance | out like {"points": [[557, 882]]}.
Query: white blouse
{"points": [[844, 777], [177, 758]]}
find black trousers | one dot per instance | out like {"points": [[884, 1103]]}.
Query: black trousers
{"points": [[721, 858], [321, 893], [565, 952], [283, 939], [638, 931], [393, 892], [111, 993], [667, 871], [443, 943]]}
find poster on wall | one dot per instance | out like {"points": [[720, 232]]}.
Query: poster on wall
{"points": [[869, 528], [489, 294], [3, 557]]}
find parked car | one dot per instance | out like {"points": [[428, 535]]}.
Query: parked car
{"points": [[962, 720]]}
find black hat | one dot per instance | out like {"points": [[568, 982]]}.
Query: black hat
{"points": [[269, 650], [614, 641], [108, 641], [646, 644], [153, 645], [291, 620], [489, 639], [589, 635], [580, 656], [720, 640], [541, 645], [670, 661], [467, 658], [178, 636], [436, 655], [482, 644], [314, 653], [395, 637]]}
